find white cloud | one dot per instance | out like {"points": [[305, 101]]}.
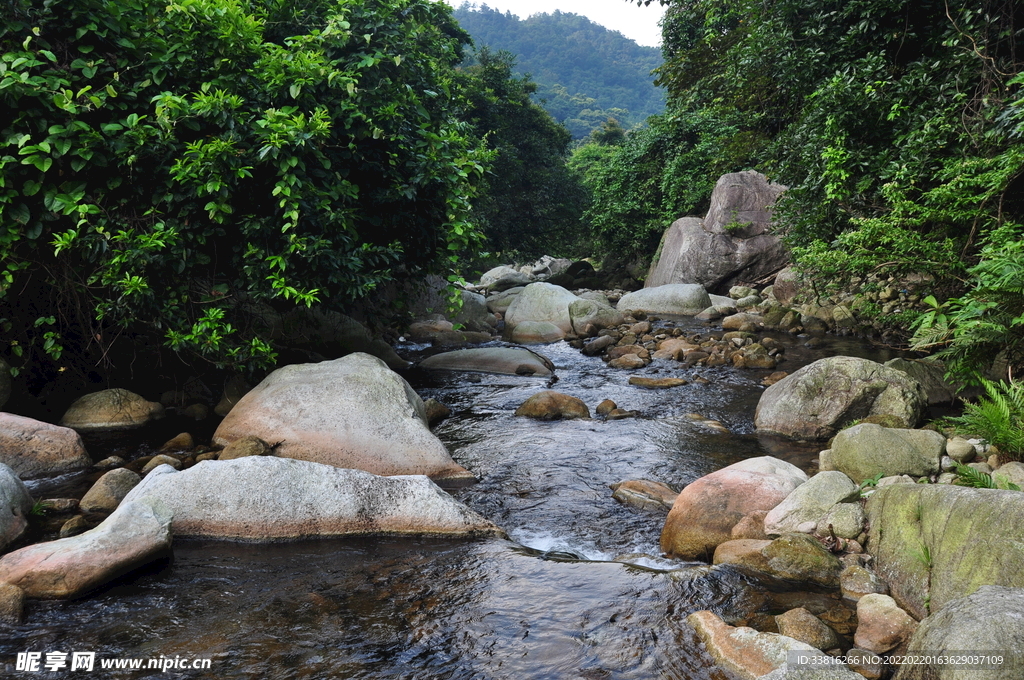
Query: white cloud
{"points": [[638, 23]]}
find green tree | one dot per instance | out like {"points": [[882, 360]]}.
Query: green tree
{"points": [[168, 168], [532, 203]]}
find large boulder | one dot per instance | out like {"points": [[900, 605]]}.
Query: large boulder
{"points": [[15, 504], [502, 360], [352, 412], [137, 533], [819, 399], [536, 333], [110, 410], [500, 302], [687, 299], [263, 498], [729, 245], [934, 543], [35, 449], [809, 502], [931, 373], [988, 620], [706, 511], [541, 302], [503, 278], [867, 450]]}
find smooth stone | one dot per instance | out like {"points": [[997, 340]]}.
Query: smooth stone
{"points": [[799, 557], [137, 533], [809, 502], [657, 383], [867, 450], [751, 526], [846, 520], [352, 412], [551, 405], [36, 449], [706, 511], [75, 526], [244, 447], [157, 461], [536, 333], [882, 625], [266, 498], [110, 410], [743, 552], [856, 581], [745, 652], [960, 450], [644, 493], [804, 626], [583, 313], [109, 490], [15, 506], [182, 442], [541, 302], [1012, 472], [606, 407], [500, 360], [627, 362], [686, 299], [817, 400]]}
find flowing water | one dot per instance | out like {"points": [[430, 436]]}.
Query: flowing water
{"points": [[580, 590]]}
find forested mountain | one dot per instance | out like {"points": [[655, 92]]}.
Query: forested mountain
{"points": [[584, 72]]}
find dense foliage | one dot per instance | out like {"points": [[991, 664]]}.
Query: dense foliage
{"points": [[531, 204], [585, 72], [170, 169]]}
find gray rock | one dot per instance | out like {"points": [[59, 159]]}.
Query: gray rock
{"points": [[787, 285], [499, 302], [15, 504], [474, 314], [741, 205], [585, 312], [931, 373], [541, 302], [137, 533], [863, 451], [846, 520], [804, 626], [245, 447], [934, 543], [501, 360], [819, 399], [685, 299], [799, 557], [881, 624], [352, 412], [109, 490], [987, 620], [12, 603], [264, 498], [1012, 472], [809, 502], [110, 410], [961, 450], [744, 652], [855, 582], [35, 449]]}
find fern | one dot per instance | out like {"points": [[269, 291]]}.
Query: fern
{"points": [[998, 417], [975, 479]]}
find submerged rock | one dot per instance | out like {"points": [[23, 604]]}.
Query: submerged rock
{"points": [[352, 412], [264, 498], [551, 405], [501, 360]]}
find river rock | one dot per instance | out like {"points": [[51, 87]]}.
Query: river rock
{"points": [[551, 405], [740, 650], [751, 526], [804, 626], [244, 447], [500, 302], [820, 398], [685, 299], [501, 360], [743, 552], [809, 502], [504, 277], [799, 557], [881, 624], [657, 383], [180, 442], [541, 302], [845, 519], [863, 451], [536, 333], [934, 543], [736, 322], [436, 411], [832, 671], [352, 412], [156, 461], [643, 493], [585, 312], [426, 330], [1012, 472], [265, 498], [12, 604], [109, 490], [15, 505], [987, 620], [329, 334], [706, 511], [137, 533], [110, 410], [856, 581], [35, 449], [961, 450], [931, 374], [474, 315]]}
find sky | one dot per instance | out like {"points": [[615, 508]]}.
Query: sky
{"points": [[638, 23]]}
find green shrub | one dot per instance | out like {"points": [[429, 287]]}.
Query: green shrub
{"points": [[998, 417]]}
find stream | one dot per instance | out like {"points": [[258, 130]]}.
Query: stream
{"points": [[580, 590]]}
